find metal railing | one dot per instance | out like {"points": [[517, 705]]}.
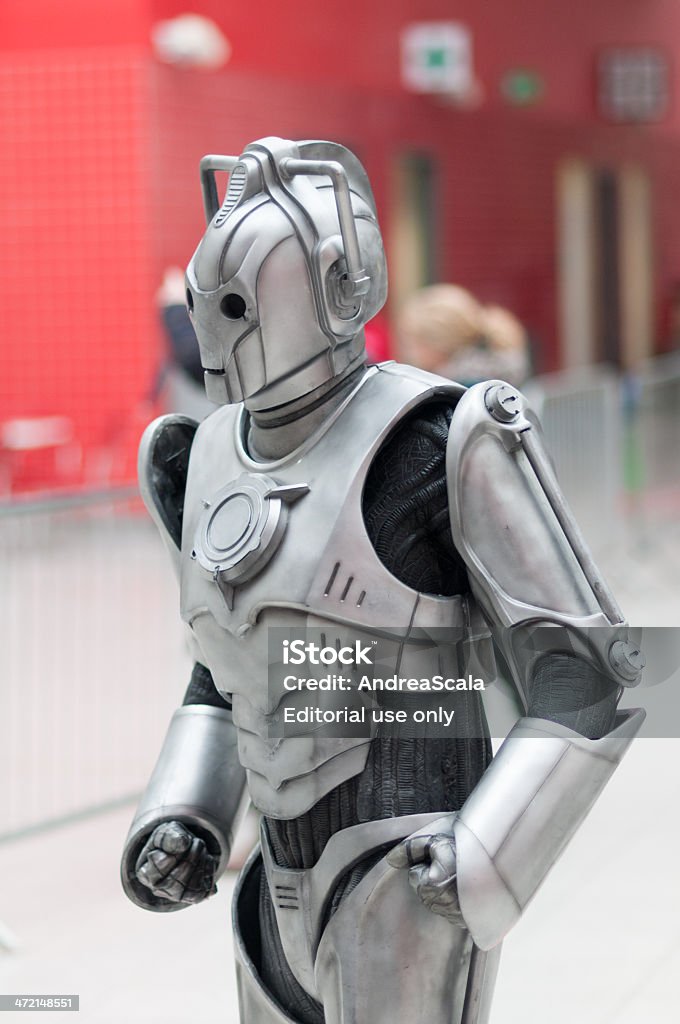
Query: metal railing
{"points": [[656, 425], [92, 661], [615, 442], [581, 421]]}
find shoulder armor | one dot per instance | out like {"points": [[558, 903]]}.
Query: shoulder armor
{"points": [[163, 465], [527, 560]]}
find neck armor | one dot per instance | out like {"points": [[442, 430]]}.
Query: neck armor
{"points": [[289, 270]]}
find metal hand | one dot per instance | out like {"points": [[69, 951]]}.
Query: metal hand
{"points": [[176, 865], [431, 860]]}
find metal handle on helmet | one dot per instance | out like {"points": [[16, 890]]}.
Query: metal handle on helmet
{"points": [[358, 281], [210, 164]]}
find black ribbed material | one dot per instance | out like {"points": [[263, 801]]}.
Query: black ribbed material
{"points": [[274, 970], [202, 690], [567, 690]]}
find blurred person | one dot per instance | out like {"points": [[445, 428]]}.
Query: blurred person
{"points": [[507, 347], [445, 330], [435, 322]]}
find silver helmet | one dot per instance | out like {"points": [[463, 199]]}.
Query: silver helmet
{"points": [[289, 270]]}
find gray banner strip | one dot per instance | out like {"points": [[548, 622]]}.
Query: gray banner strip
{"points": [[22, 1001]]}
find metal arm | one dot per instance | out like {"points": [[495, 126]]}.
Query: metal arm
{"points": [[198, 781]]}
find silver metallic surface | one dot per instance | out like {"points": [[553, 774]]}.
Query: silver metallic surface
{"points": [[431, 862], [290, 269], [527, 562], [242, 527], [323, 574], [255, 1003], [382, 957], [541, 465], [301, 896], [627, 660], [147, 483], [521, 815], [356, 281], [418, 963], [209, 164], [198, 781], [481, 981], [176, 865], [503, 402]]}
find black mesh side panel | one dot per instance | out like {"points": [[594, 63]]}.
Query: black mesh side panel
{"points": [[274, 970], [567, 690], [201, 689], [406, 509], [168, 474]]}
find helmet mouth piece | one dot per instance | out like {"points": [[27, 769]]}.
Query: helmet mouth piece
{"points": [[288, 412]]}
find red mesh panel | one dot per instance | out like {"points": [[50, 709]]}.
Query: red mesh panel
{"points": [[77, 320]]}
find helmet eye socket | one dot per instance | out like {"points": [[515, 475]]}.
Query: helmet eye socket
{"points": [[233, 306]]}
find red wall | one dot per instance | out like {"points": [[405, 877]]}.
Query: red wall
{"points": [[73, 24], [358, 40], [495, 181], [77, 325], [102, 146]]}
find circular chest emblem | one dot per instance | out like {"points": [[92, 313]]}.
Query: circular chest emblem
{"points": [[231, 523], [242, 527]]}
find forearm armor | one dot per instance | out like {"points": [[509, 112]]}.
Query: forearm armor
{"points": [[198, 781], [528, 805]]}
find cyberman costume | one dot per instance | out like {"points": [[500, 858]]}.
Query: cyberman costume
{"points": [[362, 501]]}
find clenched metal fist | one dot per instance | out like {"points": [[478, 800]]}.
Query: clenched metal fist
{"points": [[176, 865], [431, 860]]}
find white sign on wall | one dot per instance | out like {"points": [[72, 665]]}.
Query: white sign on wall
{"points": [[633, 84], [436, 57]]}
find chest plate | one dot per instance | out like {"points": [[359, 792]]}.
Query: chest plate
{"points": [[290, 534]]}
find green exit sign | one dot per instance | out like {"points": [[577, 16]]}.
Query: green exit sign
{"points": [[522, 87], [436, 57]]}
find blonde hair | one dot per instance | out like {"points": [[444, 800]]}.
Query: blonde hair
{"points": [[442, 316], [502, 330]]}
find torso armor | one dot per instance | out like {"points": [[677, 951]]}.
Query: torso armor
{"points": [[284, 544]]}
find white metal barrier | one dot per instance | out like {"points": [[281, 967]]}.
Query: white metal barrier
{"points": [[581, 419], [657, 425], [92, 661]]}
